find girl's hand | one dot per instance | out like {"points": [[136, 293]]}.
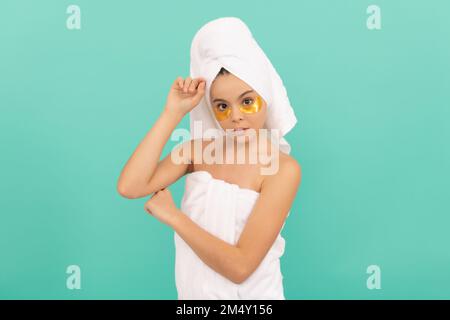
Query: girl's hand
{"points": [[162, 207], [184, 95]]}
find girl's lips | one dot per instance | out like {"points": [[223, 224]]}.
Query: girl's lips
{"points": [[239, 129]]}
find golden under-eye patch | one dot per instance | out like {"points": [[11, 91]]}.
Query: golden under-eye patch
{"points": [[224, 113]]}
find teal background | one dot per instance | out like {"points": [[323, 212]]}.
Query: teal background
{"points": [[372, 140]]}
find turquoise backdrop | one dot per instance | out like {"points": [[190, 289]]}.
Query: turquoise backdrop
{"points": [[372, 139]]}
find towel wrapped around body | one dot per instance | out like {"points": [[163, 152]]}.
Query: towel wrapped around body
{"points": [[222, 209]]}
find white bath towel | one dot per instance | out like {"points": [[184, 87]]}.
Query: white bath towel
{"points": [[222, 209], [227, 42]]}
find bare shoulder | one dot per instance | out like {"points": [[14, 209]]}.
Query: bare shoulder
{"points": [[289, 164], [289, 171]]}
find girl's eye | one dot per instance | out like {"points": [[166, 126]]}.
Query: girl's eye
{"points": [[251, 101], [221, 106]]}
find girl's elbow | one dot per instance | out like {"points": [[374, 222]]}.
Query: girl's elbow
{"points": [[242, 273], [126, 192], [241, 278]]}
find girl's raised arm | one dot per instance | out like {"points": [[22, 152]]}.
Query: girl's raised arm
{"points": [[137, 177]]}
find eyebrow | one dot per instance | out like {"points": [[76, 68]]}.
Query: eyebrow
{"points": [[242, 94]]}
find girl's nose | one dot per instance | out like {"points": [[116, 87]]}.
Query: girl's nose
{"points": [[236, 114]]}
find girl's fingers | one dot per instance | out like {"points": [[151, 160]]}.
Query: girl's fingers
{"points": [[180, 82], [190, 85], [177, 83], [201, 87], [187, 82], [193, 86]]}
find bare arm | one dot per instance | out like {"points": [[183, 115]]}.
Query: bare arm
{"points": [[264, 224], [141, 166], [144, 173]]}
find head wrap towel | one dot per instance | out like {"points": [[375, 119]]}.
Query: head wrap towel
{"points": [[227, 42]]}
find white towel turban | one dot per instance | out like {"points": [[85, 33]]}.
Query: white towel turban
{"points": [[227, 42]]}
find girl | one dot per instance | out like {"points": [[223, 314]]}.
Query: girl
{"points": [[227, 230]]}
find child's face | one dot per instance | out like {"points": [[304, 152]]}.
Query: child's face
{"points": [[234, 110]]}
